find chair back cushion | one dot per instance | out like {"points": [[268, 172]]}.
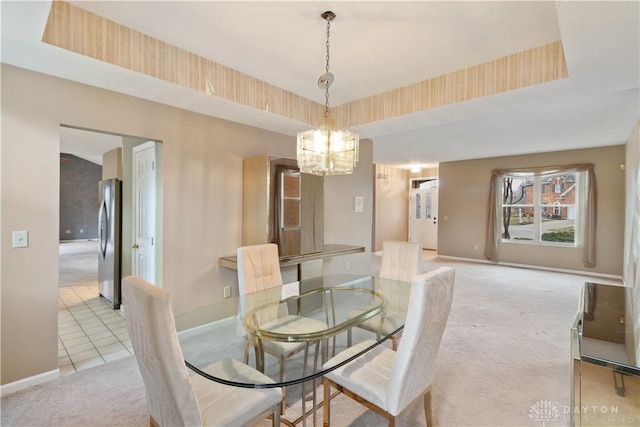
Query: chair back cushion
{"points": [[427, 314], [258, 268], [401, 260], [151, 326]]}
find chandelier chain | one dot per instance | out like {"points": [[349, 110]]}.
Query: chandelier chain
{"points": [[326, 94], [326, 150]]}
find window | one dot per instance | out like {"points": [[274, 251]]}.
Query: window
{"points": [[542, 209], [503, 208], [557, 187], [428, 207]]}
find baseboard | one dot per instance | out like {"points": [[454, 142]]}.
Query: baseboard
{"points": [[537, 267], [195, 330], [29, 382]]}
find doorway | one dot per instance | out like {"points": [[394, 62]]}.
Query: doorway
{"points": [[423, 212], [82, 154], [90, 331]]}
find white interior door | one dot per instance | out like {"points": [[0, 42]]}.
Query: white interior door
{"points": [[144, 212], [423, 215]]}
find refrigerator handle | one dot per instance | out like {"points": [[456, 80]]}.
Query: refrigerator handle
{"points": [[103, 228]]}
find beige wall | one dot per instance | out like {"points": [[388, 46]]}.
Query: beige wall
{"points": [[341, 223], [391, 213], [202, 190], [112, 164], [391, 205], [29, 191], [463, 204]]}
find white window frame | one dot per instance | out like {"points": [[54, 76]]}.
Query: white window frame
{"points": [[538, 205]]}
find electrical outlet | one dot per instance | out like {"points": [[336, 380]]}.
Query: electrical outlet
{"points": [[475, 247], [226, 291], [346, 265]]}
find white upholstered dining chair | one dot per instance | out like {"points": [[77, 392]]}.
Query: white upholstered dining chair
{"points": [[388, 381], [400, 261], [259, 270], [175, 398]]}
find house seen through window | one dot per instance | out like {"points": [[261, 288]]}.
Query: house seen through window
{"points": [[542, 209]]}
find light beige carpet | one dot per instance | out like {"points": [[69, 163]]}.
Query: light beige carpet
{"points": [[505, 349]]}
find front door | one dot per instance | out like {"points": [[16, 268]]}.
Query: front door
{"points": [[144, 212], [423, 214]]}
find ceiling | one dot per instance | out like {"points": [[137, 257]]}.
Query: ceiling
{"points": [[376, 47]]}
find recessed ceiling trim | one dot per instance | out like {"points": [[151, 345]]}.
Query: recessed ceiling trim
{"points": [[530, 67], [77, 30], [85, 33]]}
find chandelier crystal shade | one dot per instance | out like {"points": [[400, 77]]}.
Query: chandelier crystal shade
{"points": [[326, 150]]}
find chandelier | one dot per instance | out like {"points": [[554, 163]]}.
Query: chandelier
{"points": [[326, 150]]}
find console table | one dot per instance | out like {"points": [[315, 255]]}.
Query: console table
{"points": [[297, 261], [605, 352]]}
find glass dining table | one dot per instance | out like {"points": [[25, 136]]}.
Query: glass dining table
{"points": [[240, 328]]}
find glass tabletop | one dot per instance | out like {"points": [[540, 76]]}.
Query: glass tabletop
{"points": [[319, 314]]}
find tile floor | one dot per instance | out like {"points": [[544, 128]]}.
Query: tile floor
{"points": [[90, 331]]}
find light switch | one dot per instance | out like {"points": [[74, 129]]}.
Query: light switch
{"points": [[20, 239], [358, 202]]}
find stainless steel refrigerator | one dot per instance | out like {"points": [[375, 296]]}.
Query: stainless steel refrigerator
{"points": [[109, 234]]}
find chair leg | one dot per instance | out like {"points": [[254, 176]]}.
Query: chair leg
{"points": [[326, 410], [275, 422], [395, 340], [315, 369], [304, 386], [325, 349], [349, 337], [427, 408], [246, 352], [283, 404]]}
